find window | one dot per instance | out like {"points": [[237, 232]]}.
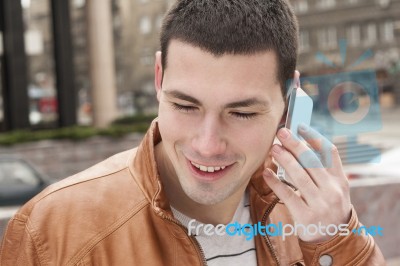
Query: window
{"points": [[300, 6], [326, 4], [387, 31], [353, 35], [370, 34], [79, 3], [81, 62], [304, 41], [145, 25], [327, 38], [40, 62], [25, 3]]}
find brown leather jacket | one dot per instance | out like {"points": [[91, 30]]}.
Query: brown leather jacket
{"points": [[116, 213]]}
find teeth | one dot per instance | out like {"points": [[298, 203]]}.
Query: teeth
{"points": [[209, 169]]}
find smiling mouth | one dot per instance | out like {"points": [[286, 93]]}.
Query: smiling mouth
{"points": [[208, 173], [208, 169]]}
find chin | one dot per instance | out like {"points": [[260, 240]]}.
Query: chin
{"points": [[208, 194], [205, 200]]}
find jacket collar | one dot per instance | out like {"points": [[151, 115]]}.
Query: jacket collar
{"points": [[143, 168]]}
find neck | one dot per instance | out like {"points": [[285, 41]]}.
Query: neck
{"points": [[220, 213]]}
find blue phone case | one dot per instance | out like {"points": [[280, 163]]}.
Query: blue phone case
{"points": [[299, 111]]}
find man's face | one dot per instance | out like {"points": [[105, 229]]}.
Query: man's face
{"points": [[217, 117]]}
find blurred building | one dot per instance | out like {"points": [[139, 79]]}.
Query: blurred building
{"points": [[81, 60], [39, 49], [35, 61], [120, 10], [145, 23], [360, 25], [44, 62], [44, 53], [136, 27]]}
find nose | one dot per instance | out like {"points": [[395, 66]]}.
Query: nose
{"points": [[209, 140]]}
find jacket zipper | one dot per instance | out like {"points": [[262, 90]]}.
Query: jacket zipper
{"points": [[266, 237], [199, 248], [194, 240], [263, 221]]}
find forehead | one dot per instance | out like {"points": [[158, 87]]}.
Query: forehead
{"points": [[178, 50], [190, 66]]}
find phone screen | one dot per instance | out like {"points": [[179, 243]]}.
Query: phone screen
{"points": [[299, 111]]}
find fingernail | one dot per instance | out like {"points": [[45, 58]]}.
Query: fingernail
{"points": [[303, 127], [284, 133], [277, 149], [268, 172]]}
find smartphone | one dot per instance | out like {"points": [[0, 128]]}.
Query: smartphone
{"points": [[299, 111]]}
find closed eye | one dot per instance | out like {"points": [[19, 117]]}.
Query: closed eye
{"points": [[184, 108], [244, 115], [189, 108]]}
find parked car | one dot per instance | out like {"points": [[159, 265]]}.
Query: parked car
{"points": [[385, 165], [19, 181]]}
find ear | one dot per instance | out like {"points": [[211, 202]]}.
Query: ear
{"points": [[158, 75], [283, 118]]}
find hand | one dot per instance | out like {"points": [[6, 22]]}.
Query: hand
{"points": [[323, 195]]}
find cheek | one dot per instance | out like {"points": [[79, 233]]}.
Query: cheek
{"points": [[260, 142], [172, 125], [167, 124], [258, 139]]}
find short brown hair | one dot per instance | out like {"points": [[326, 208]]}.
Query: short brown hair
{"points": [[236, 27]]}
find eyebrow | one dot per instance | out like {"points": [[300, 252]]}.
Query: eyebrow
{"points": [[244, 103], [181, 96]]}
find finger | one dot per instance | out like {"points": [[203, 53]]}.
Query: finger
{"points": [[303, 154], [298, 175], [287, 195], [319, 143], [329, 154]]}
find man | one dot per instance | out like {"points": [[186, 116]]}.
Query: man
{"points": [[220, 80]]}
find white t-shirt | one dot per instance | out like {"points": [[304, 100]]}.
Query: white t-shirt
{"points": [[225, 250]]}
